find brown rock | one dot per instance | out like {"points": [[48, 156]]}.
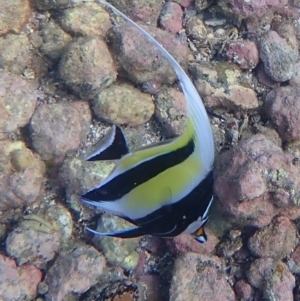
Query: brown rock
{"points": [[170, 110], [244, 290], [197, 277], [246, 177], [243, 53], [141, 59], [283, 107], [277, 240], [273, 278], [196, 29], [123, 104], [150, 288], [74, 272], [171, 17], [49, 4], [13, 15], [18, 98], [87, 66], [87, 19], [58, 128], [55, 40], [18, 283], [21, 175]]}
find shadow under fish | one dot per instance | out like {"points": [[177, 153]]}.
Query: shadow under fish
{"points": [[163, 189]]}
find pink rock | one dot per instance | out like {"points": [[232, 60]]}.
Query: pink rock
{"points": [[186, 243], [184, 3], [244, 290], [171, 17], [141, 60], [18, 283], [278, 56], [58, 128], [18, 98], [277, 240], [244, 53], [198, 277], [283, 107], [245, 180], [74, 272], [150, 287], [273, 279]]}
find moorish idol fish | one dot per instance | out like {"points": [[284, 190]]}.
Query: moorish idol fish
{"points": [[163, 189]]}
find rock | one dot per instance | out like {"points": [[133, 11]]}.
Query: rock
{"points": [[184, 3], [294, 261], [276, 241], [196, 29], [18, 283], [15, 53], [221, 85], [140, 10], [283, 107], [170, 111], [273, 278], [246, 178], [21, 175], [123, 104], [141, 60], [242, 9], [13, 15], [295, 79], [198, 277], [73, 273], [55, 40], [150, 288], [87, 19], [117, 251], [244, 290], [243, 53], [202, 4], [57, 4], [87, 67], [278, 56], [171, 17], [59, 128], [18, 98], [184, 243]]}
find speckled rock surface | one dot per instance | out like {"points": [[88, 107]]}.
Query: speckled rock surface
{"points": [[123, 104], [171, 17], [278, 56], [196, 29], [184, 3], [87, 19], [246, 176], [74, 272], [221, 85], [15, 53], [197, 277], [243, 53], [283, 107], [18, 283], [146, 11], [87, 66], [273, 279], [277, 240], [13, 15], [58, 128], [55, 40], [117, 251], [18, 98], [140, 59], [244, 290], [49, 4], [170, 111], [21, 175]]}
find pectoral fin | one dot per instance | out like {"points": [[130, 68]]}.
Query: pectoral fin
{"points": [[130, 233], [112, 146]]}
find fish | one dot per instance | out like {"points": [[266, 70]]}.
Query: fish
{"points": [[164, 189]]}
